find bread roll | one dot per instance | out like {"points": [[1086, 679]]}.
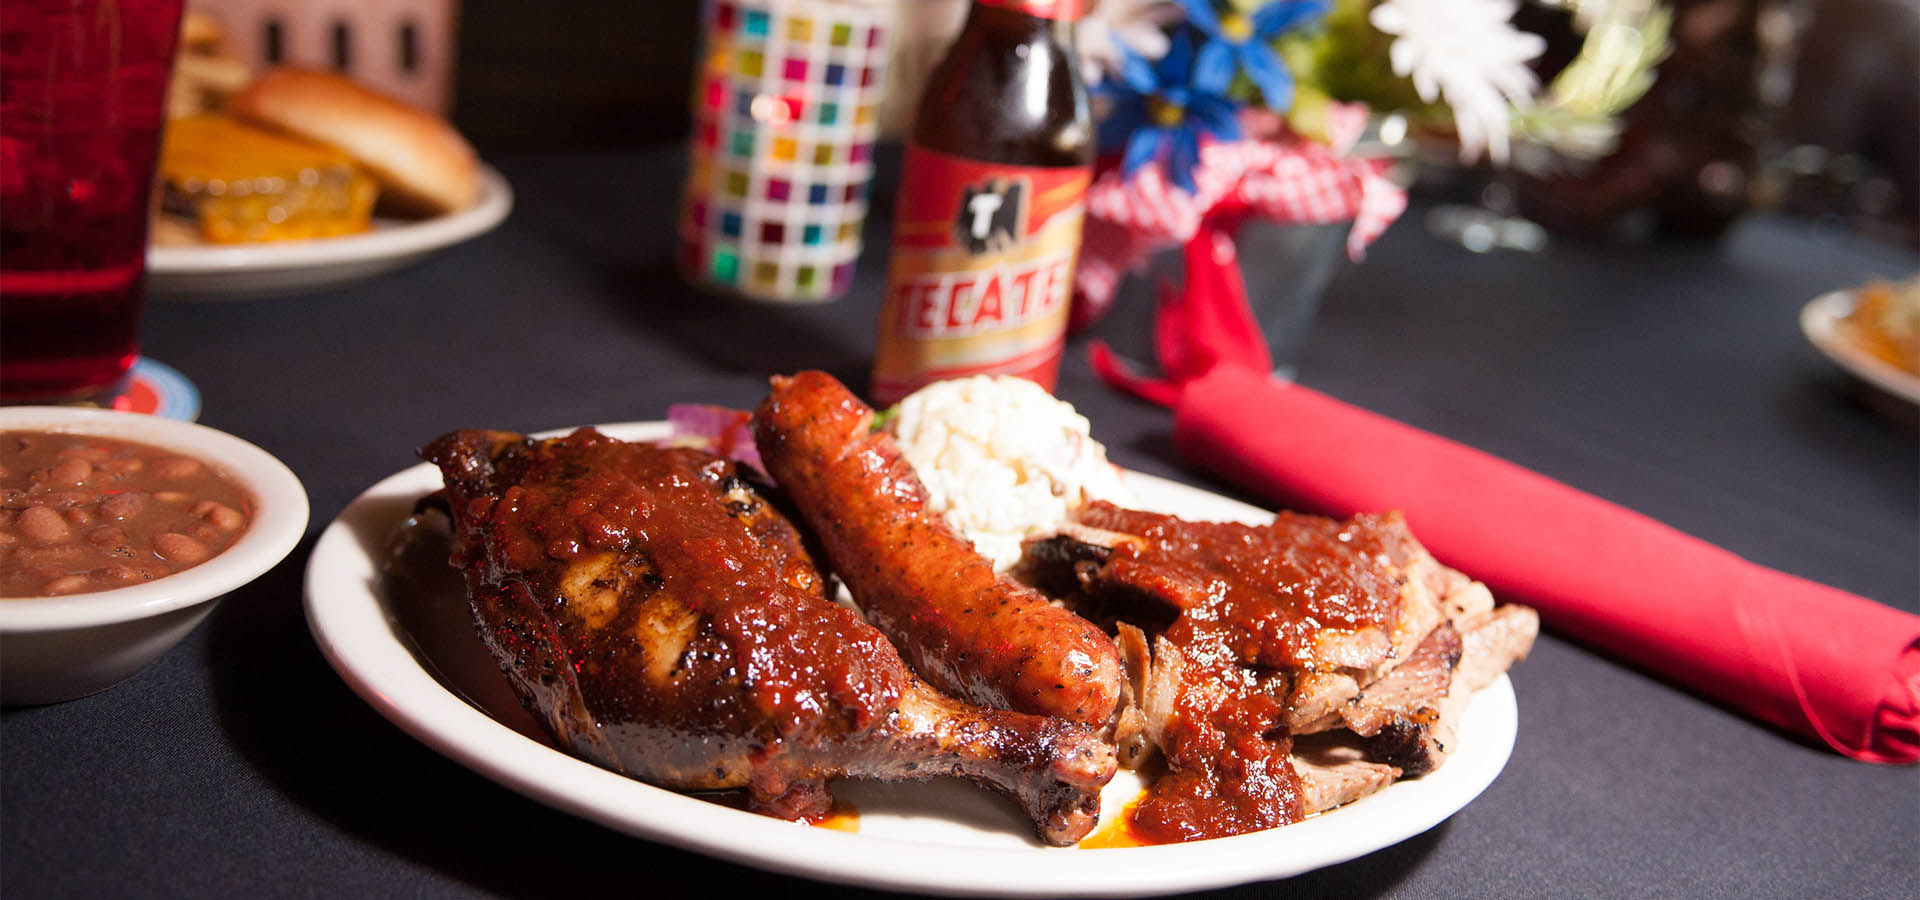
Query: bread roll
{"points": [[418, 158]]}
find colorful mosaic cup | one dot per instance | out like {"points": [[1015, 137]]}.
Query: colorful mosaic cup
{"points": [[786, 108]]}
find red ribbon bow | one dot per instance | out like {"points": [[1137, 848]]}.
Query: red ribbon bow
{"points": [[1207, 323]]}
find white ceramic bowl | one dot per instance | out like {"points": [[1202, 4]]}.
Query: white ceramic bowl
{"points": [[60, 648]]}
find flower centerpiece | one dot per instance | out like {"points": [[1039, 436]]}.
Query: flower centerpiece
{"points": [[1214, 112]]}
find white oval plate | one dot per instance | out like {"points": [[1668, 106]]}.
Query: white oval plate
{"points": [[938, 838], [247, 271], [1821, 319]]}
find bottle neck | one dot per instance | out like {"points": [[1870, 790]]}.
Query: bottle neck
{"points": [[1057, 10]]}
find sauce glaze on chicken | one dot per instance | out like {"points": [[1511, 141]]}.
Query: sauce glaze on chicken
{"points": [[1262, 633], [664, 620]]}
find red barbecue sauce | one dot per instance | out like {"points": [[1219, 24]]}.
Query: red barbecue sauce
{"points": [[772, 666], [1253, 598]]}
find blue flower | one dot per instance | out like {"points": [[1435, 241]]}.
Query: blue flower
{"points": [[1242, 42], [1161, 109]]}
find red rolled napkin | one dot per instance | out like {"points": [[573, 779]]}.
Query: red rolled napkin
{"points": [[1791, 652]]}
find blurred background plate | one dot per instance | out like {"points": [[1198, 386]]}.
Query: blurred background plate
{"points": [[1821, 319], [248, 271]]}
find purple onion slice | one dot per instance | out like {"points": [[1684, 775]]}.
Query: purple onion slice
{"points": [[720, 430]]}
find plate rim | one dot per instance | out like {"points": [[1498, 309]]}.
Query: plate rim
{"points": [[494, 203], [1819, 321], [364, 642]]}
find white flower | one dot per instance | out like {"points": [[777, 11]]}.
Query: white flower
{"points": [[1468, 53], [1137, 25]]}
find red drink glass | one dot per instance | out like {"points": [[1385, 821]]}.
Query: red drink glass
{"points": [[83, 86]]}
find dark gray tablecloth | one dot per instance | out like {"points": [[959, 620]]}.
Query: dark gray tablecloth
{"points": [[1669, 378]]}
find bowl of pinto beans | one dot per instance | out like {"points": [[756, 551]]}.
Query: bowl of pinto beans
{"points": [[119, 532]]}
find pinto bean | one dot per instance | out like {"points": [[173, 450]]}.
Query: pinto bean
{"points": [[70, 472], [43, 525], [179, 548], [121, 467], [119, 573], [123, 506], [107, 537], [223, 517], [68, 584], [174, 468]]}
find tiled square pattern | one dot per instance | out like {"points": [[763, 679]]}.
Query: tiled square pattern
{"points": [[785, 116]]}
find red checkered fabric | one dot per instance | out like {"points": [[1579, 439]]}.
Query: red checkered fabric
{"points": [[1289, 180]]}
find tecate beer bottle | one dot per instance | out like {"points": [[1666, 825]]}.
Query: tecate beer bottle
{"points": [[987, 220]]}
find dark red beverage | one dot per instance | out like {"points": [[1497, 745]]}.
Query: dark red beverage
{"points": [[82, 99]]}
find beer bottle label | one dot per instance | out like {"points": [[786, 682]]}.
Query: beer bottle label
{"points": [[982, 272]]}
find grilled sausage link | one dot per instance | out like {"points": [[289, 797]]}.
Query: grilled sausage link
{"points": [[969, 631]]}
